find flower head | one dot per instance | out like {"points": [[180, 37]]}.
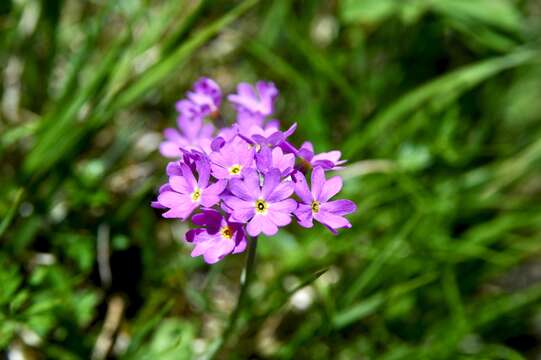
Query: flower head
{"points": [[253, 104], [216, 237], [264, 207], [185, 194], [204, 100], [242, 180], [315, 202], [232, 160], [193, 133]]}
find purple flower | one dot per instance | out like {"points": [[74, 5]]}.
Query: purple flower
{"points": [[204, 100], [268, 159], [217, 236], [232, 159], [264, 208], [316, 205], [327, 160], [193, 135], [242, 179], [185, 193], [253, 104], [270, 137]]}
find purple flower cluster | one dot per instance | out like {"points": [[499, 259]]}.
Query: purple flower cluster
{"points": [[241, 180]]}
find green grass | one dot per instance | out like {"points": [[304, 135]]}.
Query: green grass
{"points": [[434, 103]]}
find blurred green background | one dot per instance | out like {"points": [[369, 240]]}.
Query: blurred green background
{"points": [[436, 104]]}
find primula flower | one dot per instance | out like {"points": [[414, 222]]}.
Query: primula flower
{"points": [[193, 133], [253, 104], [268, 159], [204, 100], [185, 193], [217, 236], [241, 181], [265, 207], [316, 205], [327, 160], [232, 159]]}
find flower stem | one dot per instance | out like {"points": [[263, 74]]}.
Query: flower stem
{"points": [[245, 280]]}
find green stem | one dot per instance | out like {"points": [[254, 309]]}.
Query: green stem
{"points": [[12, 211], [245, 280]]}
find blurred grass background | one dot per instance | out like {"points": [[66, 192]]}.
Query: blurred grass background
{"points": [[436, 104]]}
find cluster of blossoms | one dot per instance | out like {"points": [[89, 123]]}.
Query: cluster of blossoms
{"points": [[240, 180]]}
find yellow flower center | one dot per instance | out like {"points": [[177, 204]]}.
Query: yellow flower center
{"points": [[226, 232], [315, 206], [261, 207], [196, 195], [235, 169]]}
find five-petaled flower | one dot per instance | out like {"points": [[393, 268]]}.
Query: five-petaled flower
{"points": [[316, 205], [185, 193], [243, 179], [265, 207]]}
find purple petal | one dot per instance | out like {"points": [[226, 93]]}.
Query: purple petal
{"points": [[173, 199], [170, 149], [182, 211], [281, 191], [203, 170], [318, 182], [261, 224], [304, 215], [241, 190], [264, 159], [339, 207], [278, 217], [301, 188], [188, 176], [331, 220], [211, 195], [288, 205], [272, 179], [331, 188], [179, 184]]}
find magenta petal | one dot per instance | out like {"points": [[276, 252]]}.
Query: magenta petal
{"points": [[203, 170], [179, 184], [272, 179], [157, 205], [301, 188], [261, 224], [264, 159], [188, 176], [339, 207], [331, 188], [220, 248], [318, 182], [170, 149], [279, 218], [173, 199], [239, 189], [241, 243], [288, 205], [251, 182], [173, 169], [217, 188], [304, 215], [282, 191], [331, 220], [182, 211]]}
